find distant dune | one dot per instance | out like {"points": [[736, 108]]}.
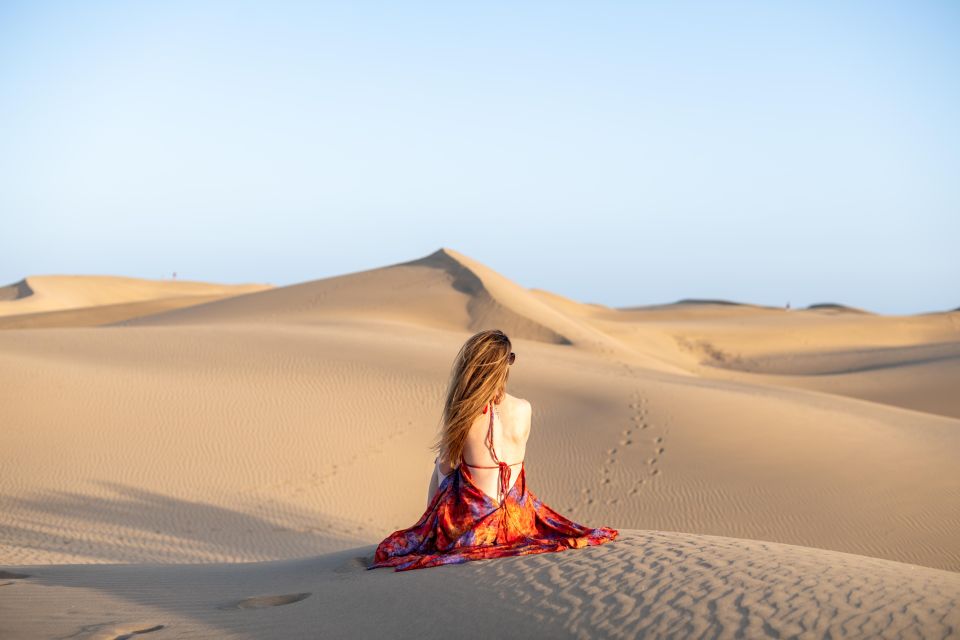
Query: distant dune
{"points": [[15, 291], [684, 301], [88, 298], [832, 306], [103, 314], [743, 450]]}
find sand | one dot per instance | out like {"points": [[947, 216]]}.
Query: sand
{"points": [[645, 584], [769, 469]]}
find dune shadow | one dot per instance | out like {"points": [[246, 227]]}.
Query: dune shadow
{"points": [[170, 571], [146, 526]]}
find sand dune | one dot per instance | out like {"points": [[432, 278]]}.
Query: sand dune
{"points": [[291, 426], [444, 290], [97, 315], [646, 584], [100, 299], [907, 361]]}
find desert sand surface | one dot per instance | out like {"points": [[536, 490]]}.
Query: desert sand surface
{"points": [[769, 469], [645, 584]]}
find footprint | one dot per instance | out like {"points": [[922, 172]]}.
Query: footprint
{"points": [[10, 575], [655, 472], [130, 634], [259, 602], [86, 630], [354, 564]]}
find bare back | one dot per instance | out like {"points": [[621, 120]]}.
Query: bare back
{"points": [[511, 430]]}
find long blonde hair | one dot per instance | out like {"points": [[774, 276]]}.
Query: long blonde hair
{"points": [[479, 374]]}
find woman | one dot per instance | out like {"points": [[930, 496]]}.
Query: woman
{"points": [[479, 505]]}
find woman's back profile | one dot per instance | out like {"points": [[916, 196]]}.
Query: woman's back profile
{"points": [[479, 505], [511, 429]]}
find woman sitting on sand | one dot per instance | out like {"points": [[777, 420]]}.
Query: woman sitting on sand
{"points": [[474, 511]]}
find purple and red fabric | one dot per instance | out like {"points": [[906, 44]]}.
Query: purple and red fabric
{"points": [[463, 523]]}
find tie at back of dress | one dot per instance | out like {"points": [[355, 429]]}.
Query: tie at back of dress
{"points": [[503, 484]]}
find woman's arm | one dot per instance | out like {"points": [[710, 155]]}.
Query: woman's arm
{"points": [[445, 469], [433, 484]]}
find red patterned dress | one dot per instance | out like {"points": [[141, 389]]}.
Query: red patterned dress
{"points": [[463, 523]]}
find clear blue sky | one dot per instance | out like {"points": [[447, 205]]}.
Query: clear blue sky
{"points": [[616, 152]]}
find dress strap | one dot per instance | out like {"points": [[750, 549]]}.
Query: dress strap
{"points": [[505, 471], [489, 438], [504, 467]]}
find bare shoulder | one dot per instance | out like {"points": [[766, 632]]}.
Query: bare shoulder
{"points": [[523, 406], [520, 412], [518, 405]]}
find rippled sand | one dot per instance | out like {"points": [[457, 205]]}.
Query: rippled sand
{"points": [[645, 584]]}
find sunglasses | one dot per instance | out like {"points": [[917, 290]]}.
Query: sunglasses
{"points": [[511, 357]]}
